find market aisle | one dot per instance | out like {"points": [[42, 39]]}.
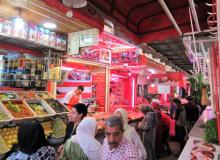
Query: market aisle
{"points": [[174, 147]]}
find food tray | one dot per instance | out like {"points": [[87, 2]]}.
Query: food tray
{"points": [[44, 95], [24, 111], [27, 95], [49, 111], [8, 95], [9, 117], [59, 108]]}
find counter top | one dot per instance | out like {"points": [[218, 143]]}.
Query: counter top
{"points": [[186, 153], [197, 130], [198, 133], [101, 117]]}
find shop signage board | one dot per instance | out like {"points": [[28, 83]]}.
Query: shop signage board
{"points": [[164, 89], [89, 37], [73, 43], [105, 56], [84, 38]]}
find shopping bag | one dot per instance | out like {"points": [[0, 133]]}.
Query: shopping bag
{"points": [[172, 131]]}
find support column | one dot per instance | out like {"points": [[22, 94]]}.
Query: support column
{"points": [[218, 52], [52, 88], [107, 88]]}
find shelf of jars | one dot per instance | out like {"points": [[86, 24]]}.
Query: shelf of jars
{"points": [[29, 35], [27, 43], [20, 106]]}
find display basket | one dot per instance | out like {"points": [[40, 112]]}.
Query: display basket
{"points": [[58, 107], [8, 95], [9, 118], [19, 110], [49, 111], [44, 95]]}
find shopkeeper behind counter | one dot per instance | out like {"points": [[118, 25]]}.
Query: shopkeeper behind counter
{"points": [[73, 97]]}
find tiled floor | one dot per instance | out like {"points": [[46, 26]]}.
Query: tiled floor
{"points": [[175, 148]]}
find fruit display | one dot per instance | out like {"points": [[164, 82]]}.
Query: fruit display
{"points": [[9, 135], [59, 128], [44, 95], [56, 106], [38, 109], [18, 109], [3, 146], [3, 116], [7, 96], [47, 125], [27, 95]]}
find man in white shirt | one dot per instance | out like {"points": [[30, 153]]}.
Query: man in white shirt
{"points": [[156, 99], [73, 97]]}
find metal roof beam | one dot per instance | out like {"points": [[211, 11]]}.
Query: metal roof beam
{"points": [[167, 11]]}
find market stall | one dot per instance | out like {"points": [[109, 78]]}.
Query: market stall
{"points": [[36, 73]]}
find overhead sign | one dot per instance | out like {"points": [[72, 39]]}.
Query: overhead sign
{"points": [[84, 38], [88, 37], [73, 43], [164, 89]]}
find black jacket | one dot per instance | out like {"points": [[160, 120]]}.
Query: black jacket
{"points": [[192, 112]]}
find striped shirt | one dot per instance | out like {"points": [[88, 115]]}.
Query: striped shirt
{"points": [[125, 151]]}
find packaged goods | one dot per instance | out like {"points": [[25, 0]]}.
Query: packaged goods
{"points": [[7, 27], [32, 33], [52, 39]]}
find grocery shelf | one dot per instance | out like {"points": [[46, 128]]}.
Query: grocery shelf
{"points": [[26, 43]]}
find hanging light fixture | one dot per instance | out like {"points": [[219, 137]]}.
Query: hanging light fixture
{"points": [[79, 3], [69, 13], [50, 25], [75, 3]]}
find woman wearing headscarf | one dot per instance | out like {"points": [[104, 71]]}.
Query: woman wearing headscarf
{"points": [[148, 126], [32, 144], [78, 112], [131, 134], [83, 145]]}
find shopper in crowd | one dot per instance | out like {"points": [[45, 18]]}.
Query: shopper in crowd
{"points": [[198, 104], [180, 117], [115, 145], [159, 132], [83, 145], [73, 97], [148, 99], [148, 126], [156, 98], [78, 112], [192, 113], [111, 98], [162, 132], [32, 144], [172, 108], [131, 135]]}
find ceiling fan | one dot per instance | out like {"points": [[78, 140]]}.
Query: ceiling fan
{"points": [[75, 3]]}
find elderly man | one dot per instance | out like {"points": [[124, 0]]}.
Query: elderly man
{"points": [[115, 146]]}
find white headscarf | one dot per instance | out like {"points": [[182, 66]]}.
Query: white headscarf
{"points": [[131, 135], [85, 134], [128, 129]]}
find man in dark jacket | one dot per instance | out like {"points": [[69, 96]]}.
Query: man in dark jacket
{"points": [[192, 112]]}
